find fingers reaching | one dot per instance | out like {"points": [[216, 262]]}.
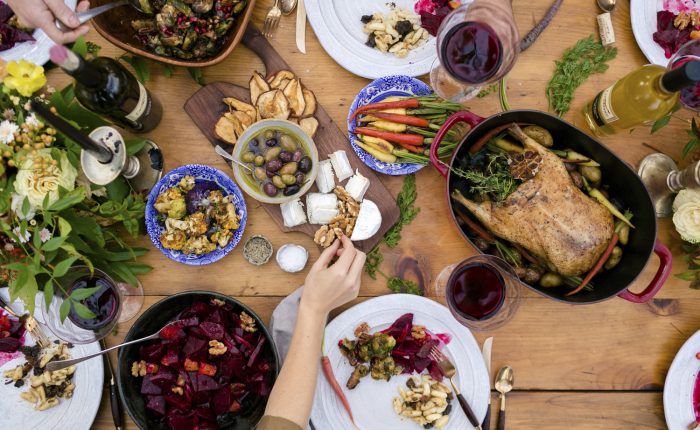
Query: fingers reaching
{"points": [[63, 13], [327, 256], [357, 266], [348, 255], [83, 6]]}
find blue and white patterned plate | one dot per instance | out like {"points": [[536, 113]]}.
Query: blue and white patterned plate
{"points": [[376, 91], [201, 173]]}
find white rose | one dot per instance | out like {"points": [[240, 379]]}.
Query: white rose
{"points": [[687, 221], [35, 182], [686, 195], [16, 206]]}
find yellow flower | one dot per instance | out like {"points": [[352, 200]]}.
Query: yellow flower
{"points": [[3, 69], [25, 77]]}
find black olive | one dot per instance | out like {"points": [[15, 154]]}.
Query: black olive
{"points": [[297, 156], [274, 165], [300, 178], [370, 41], [305, 165], [270, 189], [291, 190], [285, 156], [253, 143], [271, 142], [403, 28], [366, 18]]}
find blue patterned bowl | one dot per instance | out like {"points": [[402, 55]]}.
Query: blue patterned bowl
{"points": [[201, 173], [376, 91]]}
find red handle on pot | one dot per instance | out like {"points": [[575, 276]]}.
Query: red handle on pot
{"points": [[462, 116], [655, 285]]}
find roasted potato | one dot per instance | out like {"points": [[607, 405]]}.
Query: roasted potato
{"points": [[551, 280], [614, 259], [539, 134], [592, 174]]}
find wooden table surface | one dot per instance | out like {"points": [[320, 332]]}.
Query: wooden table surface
{"points": [[585, 367]]}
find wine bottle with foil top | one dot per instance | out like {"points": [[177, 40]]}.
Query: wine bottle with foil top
{"points": [[106, 87], [643, 96]]}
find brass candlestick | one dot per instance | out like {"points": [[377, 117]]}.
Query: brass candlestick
{"points": [[663, 180]]}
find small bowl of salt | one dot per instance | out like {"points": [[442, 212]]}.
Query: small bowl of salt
{"points": [[292, 258]]}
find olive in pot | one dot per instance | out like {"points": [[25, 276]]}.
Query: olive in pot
{"points": [[305, 165]]}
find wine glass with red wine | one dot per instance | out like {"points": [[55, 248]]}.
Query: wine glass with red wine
{"points": [[690, 96], [477, 43], [88, 305], [481, 292]]}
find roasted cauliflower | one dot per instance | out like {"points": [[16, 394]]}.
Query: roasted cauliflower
{"points": [[198, 245], [173, 239], [186, 183], [172, 203]]}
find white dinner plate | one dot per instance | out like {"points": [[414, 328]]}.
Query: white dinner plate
{"points": [[339, 29], [371, 401], [76, 413], [679, 385], [643, 16], [37, 51]]}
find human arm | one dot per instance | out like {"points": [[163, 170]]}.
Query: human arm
{"points": [[43, 14], [325, 289]]}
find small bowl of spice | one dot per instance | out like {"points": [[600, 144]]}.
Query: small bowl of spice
{"points": [[257, 250]]}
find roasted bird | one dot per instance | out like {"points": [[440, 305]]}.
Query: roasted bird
{"points": [[548, 216]]}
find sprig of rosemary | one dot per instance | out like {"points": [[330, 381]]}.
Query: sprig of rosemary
{"points": [[585, 58], [405, 200], [495, 181]]}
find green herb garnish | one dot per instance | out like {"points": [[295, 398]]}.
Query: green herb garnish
{"points": [[585, 58], [495, 182], [486, 91]]}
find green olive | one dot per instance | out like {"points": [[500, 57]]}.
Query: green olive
{"points": [[269, 134], [623, 234], [287, 143], [247, 157], [289, 179], [540, 135], [614, 259], [551, 280], [272, 153], [289, 169], [260, 174], [592, 174], [259, 160], [277, 181]]}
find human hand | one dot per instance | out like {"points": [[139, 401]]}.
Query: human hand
{"points": [[43, 14], [328, 287]]}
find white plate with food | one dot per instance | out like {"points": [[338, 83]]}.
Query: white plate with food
{"points": [[643, 14], [36, 51], [679, 401], [372, 401], [339, 27], [74, 413]]}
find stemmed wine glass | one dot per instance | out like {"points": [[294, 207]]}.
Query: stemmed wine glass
{"points": [[477, 44], [94, 303], [690, 96]]}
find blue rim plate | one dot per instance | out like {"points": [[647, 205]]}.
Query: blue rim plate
{"points": [[201, 173], [377, 90]]}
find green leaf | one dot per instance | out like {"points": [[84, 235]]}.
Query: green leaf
{"points": [[196, 74], [64, 309], [26, 206], [80, 47], [140, 66], [86, 227], [134, 145], [139, 268], [168, 70], [28, 293], [118, 189], [53, 244], [62, 268], [17, 267], [48, 293], [686, 276], [71, 198], [660, 123], [124, 273], [82, 310], [83, 293], [64, 227], [690, 146]]}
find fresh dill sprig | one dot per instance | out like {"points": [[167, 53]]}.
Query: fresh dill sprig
{"points": [[495, 181], [585, 58], [486, 91]]}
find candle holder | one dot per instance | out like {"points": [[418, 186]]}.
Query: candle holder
{"points": [[663, 180]]}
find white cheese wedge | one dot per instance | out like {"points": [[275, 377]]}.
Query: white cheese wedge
{"points": [[325, 181], [368, 221], [341, 165], [357, 186], [293, 213], [321, 208]]}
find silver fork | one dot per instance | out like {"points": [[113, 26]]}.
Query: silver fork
{"points": [[272, 20], [31, 324], [449, 370]]}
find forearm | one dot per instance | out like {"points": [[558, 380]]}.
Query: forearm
{"points": [[293, 393]]}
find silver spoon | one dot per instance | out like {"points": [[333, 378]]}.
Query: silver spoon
{"points": [[288, 6], [221, 151], [62, 364], [607, 5], [89, 14], [504, 383]]}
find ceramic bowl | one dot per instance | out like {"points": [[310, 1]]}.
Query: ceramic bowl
{"points": [[155, 226], [245, 179], [152, 320]]}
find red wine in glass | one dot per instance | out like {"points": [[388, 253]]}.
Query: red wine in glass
{"points": [[104, 303], [471, 52], [689, 96], [476, 291]]}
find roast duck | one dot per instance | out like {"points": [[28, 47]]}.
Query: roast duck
{"points": [[548, 216]]}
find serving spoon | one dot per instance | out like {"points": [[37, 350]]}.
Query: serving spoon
{"points": [[504, 383], [89, 14], [62, 364], [288, 6], [221, 151], [607, 5]]}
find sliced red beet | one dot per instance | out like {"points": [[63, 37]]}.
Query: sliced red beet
{"points": [[435, 371], [204, 413], [181, 421], [175, 401], [156, 404], [205, 383], [164, 378], [212, 330], [256, 353], [193, 345], [221, 401], [171, 358], [9, 344], [401, 327], [152, 353], [667, 35], [149, 387]]}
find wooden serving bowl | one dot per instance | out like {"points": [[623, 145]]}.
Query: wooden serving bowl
{"points": [[115, 26]]}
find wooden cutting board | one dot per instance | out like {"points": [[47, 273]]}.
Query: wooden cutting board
{"points": [[206, 106]]}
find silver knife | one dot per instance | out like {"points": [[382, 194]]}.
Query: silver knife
{"points": [[486, 352], [301, 27]]}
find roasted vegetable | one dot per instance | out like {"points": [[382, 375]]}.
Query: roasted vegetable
{"points": [[540, 134], [614, 259], [551, 280], [592, 174]]}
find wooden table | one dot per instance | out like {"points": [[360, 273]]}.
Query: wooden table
{"points": [[586, 367]]}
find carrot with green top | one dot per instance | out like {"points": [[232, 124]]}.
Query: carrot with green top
{"points": [[407, 103], [330, 377], [597, 267], [402, 119], [400, 138]]}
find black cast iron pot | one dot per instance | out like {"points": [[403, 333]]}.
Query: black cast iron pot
{"points": [[624, 184]]}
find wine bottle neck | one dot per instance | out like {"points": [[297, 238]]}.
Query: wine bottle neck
{"points": [[84, 72]]}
